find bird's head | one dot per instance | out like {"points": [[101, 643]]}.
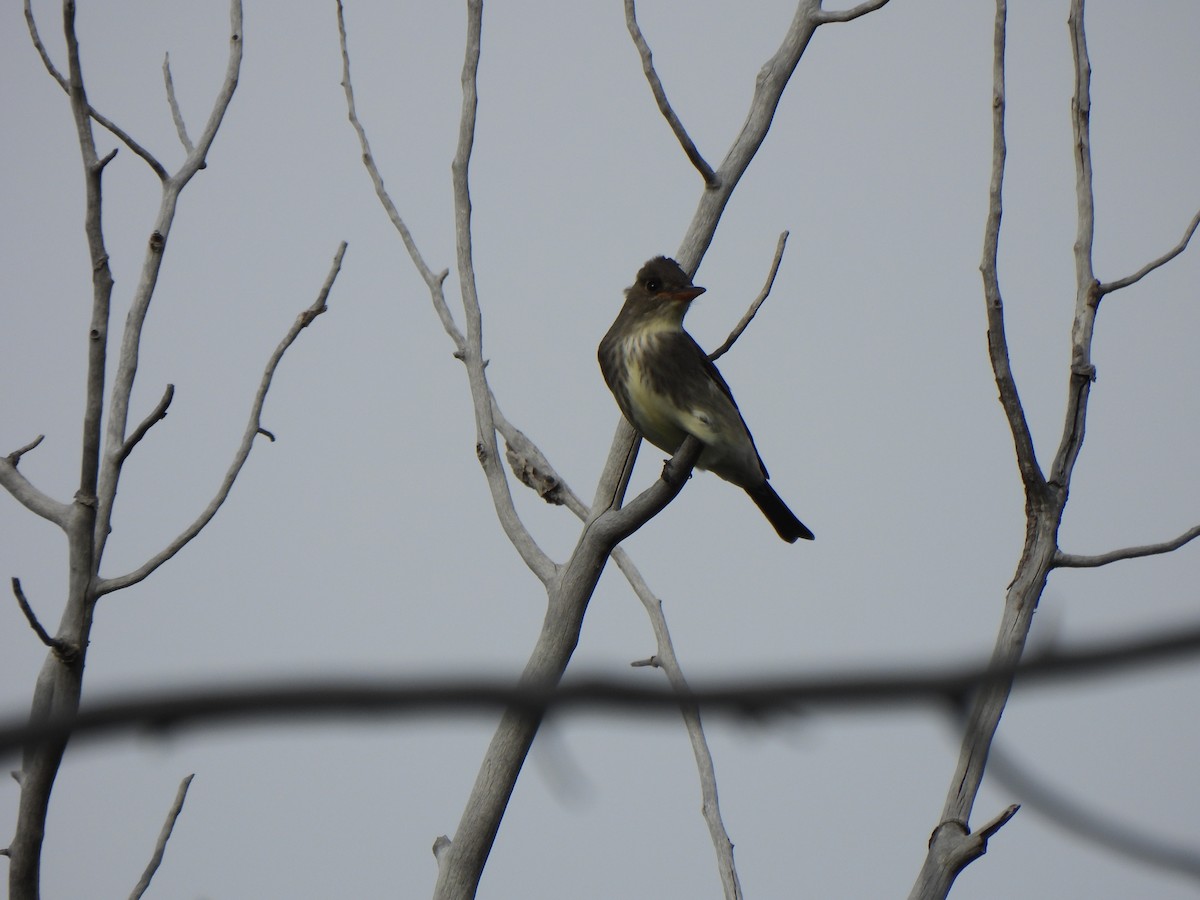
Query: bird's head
{"points": [[662, 287]]}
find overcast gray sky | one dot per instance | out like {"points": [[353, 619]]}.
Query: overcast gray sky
{"points": [[363, 540]]}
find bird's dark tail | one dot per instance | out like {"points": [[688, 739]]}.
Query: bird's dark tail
{"points": [[781, 518]]}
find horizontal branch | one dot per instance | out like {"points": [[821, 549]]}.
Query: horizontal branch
{"points": [[307, 698], [1109, 286], [1078, 561], [848, 15]]}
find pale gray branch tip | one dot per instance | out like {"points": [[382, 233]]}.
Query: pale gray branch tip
{"points": [[758, 301], [15, 456], [1080, 561], [847, 15], [163, 836], [1110, 286], [173, 102]]}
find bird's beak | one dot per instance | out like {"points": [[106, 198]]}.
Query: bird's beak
{"points": [[686, 295]]}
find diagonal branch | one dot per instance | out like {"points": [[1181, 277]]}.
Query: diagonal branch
{"points": [[1080, 561], [24, 491], [433, 280], [59, 647], [253, 428], [163, 836], [173, 102], [105, 122], [660, 95], [1109, 286], [156, 415], [744, 323]]}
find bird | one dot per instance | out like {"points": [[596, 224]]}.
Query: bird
{"points": [[668, 388]]}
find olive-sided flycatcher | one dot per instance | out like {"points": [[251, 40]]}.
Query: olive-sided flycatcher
{"points": [[668, 388]]}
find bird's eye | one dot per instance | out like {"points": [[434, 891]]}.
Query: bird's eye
{"points": [[653, 285]]}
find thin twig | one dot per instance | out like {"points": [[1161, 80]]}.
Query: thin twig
{"points": [[1080, 561], [665, 658], [25, 493], [660, 96], [163, 836], [758, 301], [173, 102], [1109, 286], [53, 643], [105, 122], [847, 15], [253, 428], [156, 415], [14, 458]]}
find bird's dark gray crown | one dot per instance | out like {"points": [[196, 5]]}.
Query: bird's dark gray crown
{"points": [[662, 272]]}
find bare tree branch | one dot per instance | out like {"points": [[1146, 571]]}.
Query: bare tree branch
{"points": [[24, 491], [105, 122], [486, 448], [15, 457], [952, 845], [173, 102], [59, 684], [156, 415], [163, 836], [433, 280], [127, 361], [253, 428], [468, 347], [1109, 286], [1079, 561], [1087, 297], [758, 301], [1010, 400], [847, 15], [660, 95], [59, 647], [665, 658]]}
